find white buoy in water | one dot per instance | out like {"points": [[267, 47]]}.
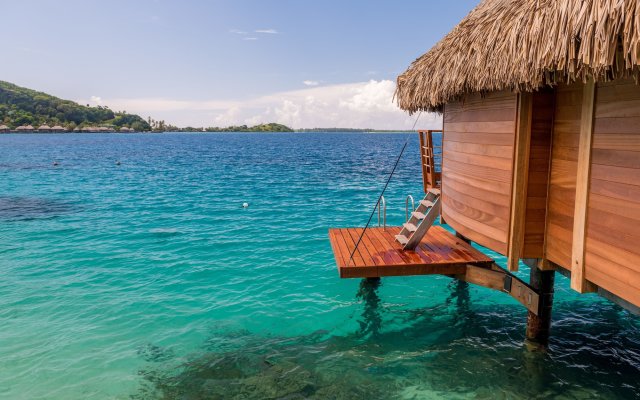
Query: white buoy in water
{"points": [[245, 205]]}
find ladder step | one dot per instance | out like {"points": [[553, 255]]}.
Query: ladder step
{"points": [[426, 203], [402, 239], [410, 227], [434, 191], [418, 215]]}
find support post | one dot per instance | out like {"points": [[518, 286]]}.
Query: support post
{"points": [[519, 180], [539, 326], [578, 279]]}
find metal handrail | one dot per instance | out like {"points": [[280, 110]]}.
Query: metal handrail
{"points": [[384, 208], [406, 207]]}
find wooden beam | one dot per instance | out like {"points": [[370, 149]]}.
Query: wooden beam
{"points": [[499, 279], [520, 176], [578, 280], [545, 265], [485, 277]]}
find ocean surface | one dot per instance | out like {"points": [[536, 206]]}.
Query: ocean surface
{"points": [[130, 270]]}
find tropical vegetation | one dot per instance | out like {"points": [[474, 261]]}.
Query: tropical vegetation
{"points": [[22, 106]]}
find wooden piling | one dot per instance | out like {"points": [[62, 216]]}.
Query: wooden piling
{"points": [[539, 326]]}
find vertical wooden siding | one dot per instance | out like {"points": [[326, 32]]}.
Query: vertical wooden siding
{"points": [[612, 254], [477, 167], [562, 177], [537, 183]]}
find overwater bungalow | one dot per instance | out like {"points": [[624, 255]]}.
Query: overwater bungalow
{"points": [[125, 129], [58, 129], [540, 156], [97, 129], [4, 129], [44, 128], [25, 128]]}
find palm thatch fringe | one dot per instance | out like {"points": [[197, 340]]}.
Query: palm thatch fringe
{"points": [[523, 45]]}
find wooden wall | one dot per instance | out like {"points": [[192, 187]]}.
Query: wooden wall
{"points": [[477, 167], [562, 181], [612, 252], [477, 184], [542, 118]]}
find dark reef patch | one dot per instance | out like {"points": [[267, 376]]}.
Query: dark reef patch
{"points": [[451, 351], [22, 208]]}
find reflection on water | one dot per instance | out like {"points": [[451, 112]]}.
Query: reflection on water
{"points": [[439, 352], [371, 320]]}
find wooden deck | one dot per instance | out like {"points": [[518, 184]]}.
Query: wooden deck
{"points": [[379, 254]]}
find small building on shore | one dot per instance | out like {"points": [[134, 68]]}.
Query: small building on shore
{"points": [[125, 129], [44, 128], [58, 129], [4, 129], [25, 129], [97, 129]]}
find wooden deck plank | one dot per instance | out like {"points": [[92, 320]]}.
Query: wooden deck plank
{"points": [[357, 266], [338, 248], [439, 252], [367, 247], [358, 259], [389, 246], [389, 257], [411, 255]]}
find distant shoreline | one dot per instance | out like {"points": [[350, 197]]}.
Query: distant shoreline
{"points": [[195, 131]]}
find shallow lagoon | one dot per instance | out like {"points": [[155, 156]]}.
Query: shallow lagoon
{"points": [[149, 280]]}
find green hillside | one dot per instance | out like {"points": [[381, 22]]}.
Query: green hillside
{"points": [[22, 106]]}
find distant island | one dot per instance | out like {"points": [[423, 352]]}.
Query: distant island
{"points": [[22, 107], [27, 110], [270, 127]]}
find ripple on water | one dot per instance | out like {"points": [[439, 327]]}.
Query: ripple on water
{"points": [[149, 279], [19, 208]]}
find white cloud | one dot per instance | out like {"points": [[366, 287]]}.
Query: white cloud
{"points": [[237, 31], [95, 100], [353, 105], [250, 38], [310, 83], [268, 31]]}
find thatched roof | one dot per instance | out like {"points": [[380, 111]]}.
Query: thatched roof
{"points": [[524, 45]]}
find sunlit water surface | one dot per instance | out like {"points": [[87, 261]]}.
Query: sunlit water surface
{"points": [[148, 279]]}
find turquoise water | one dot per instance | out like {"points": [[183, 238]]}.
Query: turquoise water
{"points": [[149, 280]]}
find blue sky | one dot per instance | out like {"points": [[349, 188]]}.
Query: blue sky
{"points": [[305, 63]]}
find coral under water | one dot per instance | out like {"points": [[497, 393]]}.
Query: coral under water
{"points": [[450, 351]]}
